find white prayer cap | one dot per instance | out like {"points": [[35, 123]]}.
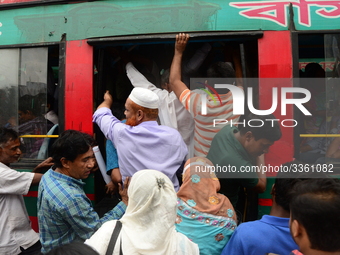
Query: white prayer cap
{"points": [[144, 97]]}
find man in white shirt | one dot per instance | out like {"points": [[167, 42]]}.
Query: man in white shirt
{"points": [[17, 235]]}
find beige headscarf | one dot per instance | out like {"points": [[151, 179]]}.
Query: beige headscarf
{"points": [[149, 220], [200, 187]]}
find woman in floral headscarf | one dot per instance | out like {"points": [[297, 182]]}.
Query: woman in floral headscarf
{"points": [[203, 215]]}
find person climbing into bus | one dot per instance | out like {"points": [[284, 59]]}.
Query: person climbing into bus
{"points": [[240, 149], [65, 213], [17, 235], [171, 113], [205, 129], [141, 143]]}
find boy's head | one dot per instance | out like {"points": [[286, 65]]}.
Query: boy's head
{"points": [[315, 221]]}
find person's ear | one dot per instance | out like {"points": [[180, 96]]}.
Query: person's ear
{"points": [[249, 136], [65, 163], [272, 192], [296, 229], [139, 115], [299, 234]]}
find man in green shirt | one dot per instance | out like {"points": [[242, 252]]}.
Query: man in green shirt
{"points": [[237, 154]]}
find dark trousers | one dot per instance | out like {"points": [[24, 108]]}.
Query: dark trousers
{"points": [[35, 249]]}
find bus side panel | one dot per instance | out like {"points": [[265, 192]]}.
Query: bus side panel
{"points": [[78, 86], [31, 205], [276, 61], [276, 64], [79, 94]]}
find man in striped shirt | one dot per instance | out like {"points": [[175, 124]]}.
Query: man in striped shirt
{"points": [[65, 213], [205, 129]]}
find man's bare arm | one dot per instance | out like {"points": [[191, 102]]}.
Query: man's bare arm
{"points": [[116, 176], [123, 192], [176, 84], [36, 179], [44, 166], [107, 101]]}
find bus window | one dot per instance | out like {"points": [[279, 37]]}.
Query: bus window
{"points": [[9, 87], [153, 58], [319, 73], [27, 98], [332, 66]]}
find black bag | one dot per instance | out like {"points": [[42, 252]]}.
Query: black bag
{"points": [[114, 238]]}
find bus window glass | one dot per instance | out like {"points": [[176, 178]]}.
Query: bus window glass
{"points": [[9, 87], [318, 71], [27, 94], [332, 66]]}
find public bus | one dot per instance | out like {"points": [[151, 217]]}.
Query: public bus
{"points": [[63, 55]]}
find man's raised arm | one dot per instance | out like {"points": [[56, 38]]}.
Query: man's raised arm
{"points": [[176, 84], [107, 101]]}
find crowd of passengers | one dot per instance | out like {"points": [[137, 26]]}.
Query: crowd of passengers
{"points": [[158, 212]]}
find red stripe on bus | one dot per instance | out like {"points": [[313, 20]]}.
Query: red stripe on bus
{"points": [[32, 194], [90, 196], [265, 202], [34, 223]]}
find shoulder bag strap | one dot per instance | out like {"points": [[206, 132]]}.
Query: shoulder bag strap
{"points": [[114, 238], [121, 245]]}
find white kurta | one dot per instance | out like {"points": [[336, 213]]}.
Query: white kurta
{"points": [[15, 226]]}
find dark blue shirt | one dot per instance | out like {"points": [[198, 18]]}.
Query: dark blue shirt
{"points": [[269, 235]]}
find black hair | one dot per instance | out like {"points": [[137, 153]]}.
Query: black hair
{"points": [[69, 145], [33, 104], [7, 134], [315, 205], [314, 70], [285, 182], [74, 248], [26, 103], [222, 70], [261, 127]]}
